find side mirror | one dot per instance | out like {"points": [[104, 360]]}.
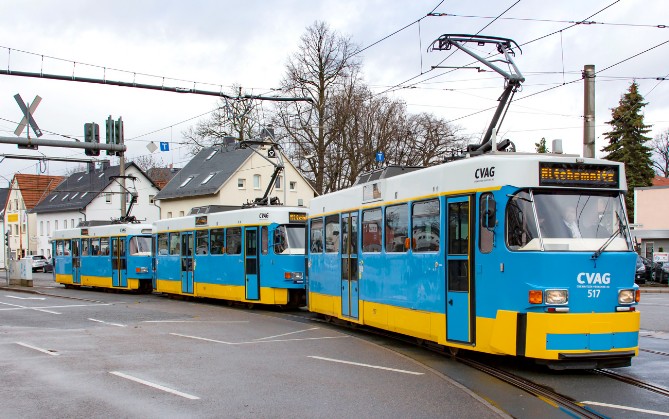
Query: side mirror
{"points": [[489, 211]]}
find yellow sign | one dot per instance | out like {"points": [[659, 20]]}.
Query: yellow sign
{"points": [[297, 217], [13, 218]]}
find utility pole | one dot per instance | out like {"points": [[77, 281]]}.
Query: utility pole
{"points": [[589, 111]]}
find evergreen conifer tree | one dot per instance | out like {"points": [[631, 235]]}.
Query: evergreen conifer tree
{"points": [[627, 143]]}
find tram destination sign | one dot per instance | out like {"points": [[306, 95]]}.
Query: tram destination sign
{"points": [[578, 175], [297, 217]]}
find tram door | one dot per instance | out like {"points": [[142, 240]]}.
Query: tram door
{"points": [[119, 262], [459, 275], [187, 262], [76, 261], [251, 263], [349, 265]]}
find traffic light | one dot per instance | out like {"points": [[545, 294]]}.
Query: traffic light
{"points": [[92, 135], [118, 133], [109, 137], [7, 238], [114, 134]]}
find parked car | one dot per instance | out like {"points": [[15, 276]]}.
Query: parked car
{"points": [[640, 277], [49, 265], [664, 279], [38, 262], [653, 270]]}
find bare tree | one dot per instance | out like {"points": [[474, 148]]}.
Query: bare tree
{"points": [[318, 71], [232, 118], [660, 149], [147, 162]]}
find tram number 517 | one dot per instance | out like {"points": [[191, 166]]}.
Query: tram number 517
{"points": [[593, 293]]}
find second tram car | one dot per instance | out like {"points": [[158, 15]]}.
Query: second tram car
{"points": [[107, 256], [253, 255], [504, 253]]}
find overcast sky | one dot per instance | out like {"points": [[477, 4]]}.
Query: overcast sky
{"points": [[247, 43]]}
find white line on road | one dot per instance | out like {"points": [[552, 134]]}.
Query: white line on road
{"points": [[19, 307], [103, 322], [46, 351], [289, 333], [25, 298], [195, 321], [367, 365], [633, 409], [255, 341], [158, 386]]}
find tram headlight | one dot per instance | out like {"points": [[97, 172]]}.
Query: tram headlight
{"points": [[142, 270], [626, 296], [296, 277], [557, 297]]}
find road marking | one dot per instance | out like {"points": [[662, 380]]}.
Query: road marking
{"points": [[103, 322], [366, 365], [19, 307], [254, 341], [289, 333], [25, 298], [195, 321], [154, 385], [46, 351], [633, 409]]}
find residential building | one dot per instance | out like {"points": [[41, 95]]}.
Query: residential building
{"points": [[228, 177], [3, 249], [94, 195], [26, 191], [651, 219]]}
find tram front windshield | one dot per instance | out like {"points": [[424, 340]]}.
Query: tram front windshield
{"points": [[289, 239], [567, 221], [140, 246]]}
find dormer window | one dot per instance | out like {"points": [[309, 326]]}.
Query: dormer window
{"points": [[65, 197], [211, 155], [185, 182], [83, 195], [75, 195], [208, 178], [53, 197]]}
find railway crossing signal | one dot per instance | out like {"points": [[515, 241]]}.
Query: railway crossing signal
{"points": [[28, 119]]}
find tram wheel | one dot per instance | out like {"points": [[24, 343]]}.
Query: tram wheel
{"points": [[250, 305], [328, 319], [453, 351], [420, 341]]}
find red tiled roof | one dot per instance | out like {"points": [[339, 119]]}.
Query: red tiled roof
{"points": [[34, 188], [660, 181]]}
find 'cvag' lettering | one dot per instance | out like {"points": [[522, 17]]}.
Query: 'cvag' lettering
{"points": [[593, 278]]}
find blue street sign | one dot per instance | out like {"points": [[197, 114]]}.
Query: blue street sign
{"points": [[380, 157], [164, 146]]}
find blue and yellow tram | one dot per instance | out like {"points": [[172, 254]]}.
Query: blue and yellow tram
{"points": [[253, 255], [504, 253], [107, 256]]}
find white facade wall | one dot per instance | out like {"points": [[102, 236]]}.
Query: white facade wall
{"points": [[234, 195]]}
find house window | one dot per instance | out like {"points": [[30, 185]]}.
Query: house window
{"points": [[151, 197], [79, 221], [650, 248], [185, 182], [55, 225], [241, 183], [169, 214], [75, 195], [10, 205], [64, 223], [108, 198], [48, 227], [277, 182], [208, 178], [53, 197], [181, 213], [293, 185], [256, 181], [83, 195], [41, 228], [65, 197], [72, 223]]}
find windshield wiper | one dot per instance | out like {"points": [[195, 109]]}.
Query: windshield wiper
{"points": [[610, 239]]}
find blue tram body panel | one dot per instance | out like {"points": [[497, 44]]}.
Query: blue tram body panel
{"points": [[549, 276]]}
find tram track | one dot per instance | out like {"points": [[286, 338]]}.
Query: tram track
{"points": [[633, 381]]}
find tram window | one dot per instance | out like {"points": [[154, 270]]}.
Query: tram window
{"points": [[175, 246], [84, 247], [458, 228], [140, 246], [425, 226], [458, 278], [217, 237], [486, 235], [520, 225], [202, 242], [332, 234], [279, 242], [95, 247], [372, 228], [66, 250], [163, 249], [234, 243], [316, 235], [75, 248], [59, 247], [104, 246], [397, 227], [264, 237]]}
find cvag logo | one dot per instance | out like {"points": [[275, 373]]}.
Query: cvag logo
{"points": [[593, 278], [263, 215], [484, 172]]}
